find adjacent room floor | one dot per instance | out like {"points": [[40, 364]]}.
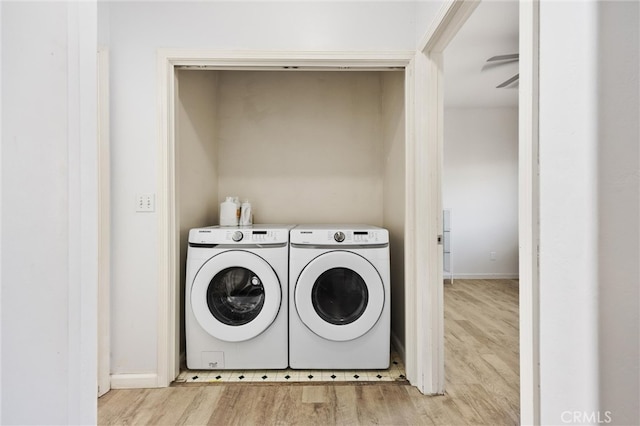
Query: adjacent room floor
{"points": [[481, 344]]}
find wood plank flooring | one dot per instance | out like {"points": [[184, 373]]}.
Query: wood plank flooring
{"points": [[481, 338]]}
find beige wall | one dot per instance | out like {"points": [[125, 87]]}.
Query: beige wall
{"points": [[196, 159], [303, 147], [393, 125], [197, 151]]}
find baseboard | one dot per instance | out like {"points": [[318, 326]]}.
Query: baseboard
{"points": [[134, 381], [484, 276], [399, 347]]}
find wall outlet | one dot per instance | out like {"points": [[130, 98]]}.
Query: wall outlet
{"points": [[493, 256], [145, 202]]}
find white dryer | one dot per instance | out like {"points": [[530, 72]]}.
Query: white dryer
{"points": [[340, 296], [236, 297]]}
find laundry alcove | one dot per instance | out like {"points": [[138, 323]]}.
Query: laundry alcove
{"points": [[304, 146]]}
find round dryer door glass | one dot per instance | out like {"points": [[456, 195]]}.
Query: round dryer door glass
{"points": [[340, 296], [235, 296]]}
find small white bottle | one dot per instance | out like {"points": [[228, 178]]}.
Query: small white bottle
{"points": [[228, 215], [238, 208], [246, 216]]}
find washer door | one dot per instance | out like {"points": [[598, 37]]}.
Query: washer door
{"points": [[235, 296], [339, 296]]}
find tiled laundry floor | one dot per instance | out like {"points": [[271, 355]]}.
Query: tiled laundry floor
{"points": [[395, 372]]}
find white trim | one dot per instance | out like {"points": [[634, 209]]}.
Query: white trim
{"points": [[134, 381], [168, 284], [486, 276], [168, 59], [104, 239], [427, 303], [1, 209], [528, 214], [450, 18], [424, 314], [412, 287], [215, 59], [433, 301]]}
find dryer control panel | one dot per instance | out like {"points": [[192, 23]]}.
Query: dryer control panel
{"points": [[335, 235]]}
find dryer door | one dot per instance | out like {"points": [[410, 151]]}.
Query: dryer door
{"points": [[339, 296], [235, 296]]}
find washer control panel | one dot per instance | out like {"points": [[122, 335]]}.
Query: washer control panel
{"points": [[251, 236], [241, 235]]}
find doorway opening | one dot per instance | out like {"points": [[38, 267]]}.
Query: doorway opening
{"points": [[480, 200], [302, 145], [212, 67], [431, 67]]}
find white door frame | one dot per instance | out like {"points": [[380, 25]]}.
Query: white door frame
{"points": [[429, 78], [528, 218], [424, 301], [168, 220]]}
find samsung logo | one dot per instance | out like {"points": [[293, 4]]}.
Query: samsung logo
{"points": [[306, 232]]}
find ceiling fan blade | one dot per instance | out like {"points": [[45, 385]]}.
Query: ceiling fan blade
{"points": [[504, 57], [508, 82]]}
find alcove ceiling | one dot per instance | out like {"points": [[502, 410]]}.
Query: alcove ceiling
{"points": [[469, 82]]}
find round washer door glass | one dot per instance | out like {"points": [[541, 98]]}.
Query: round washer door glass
{"points": [[339, 296], [235, 296]]}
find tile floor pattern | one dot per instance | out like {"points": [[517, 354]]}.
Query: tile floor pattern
{"points": [[394, 373]]}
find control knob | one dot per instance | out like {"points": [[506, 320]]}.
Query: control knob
{"points": [[237, 236], [338, 236]]}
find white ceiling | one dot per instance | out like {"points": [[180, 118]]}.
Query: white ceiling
{"points": [[491, 30]]}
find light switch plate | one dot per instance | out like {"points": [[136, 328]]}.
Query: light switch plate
{"points": [[145, 202]]}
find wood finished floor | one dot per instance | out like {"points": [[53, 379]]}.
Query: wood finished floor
{"points": [[481, 344]]}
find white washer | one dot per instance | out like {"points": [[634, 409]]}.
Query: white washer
{"points": [[340, 297], [236, 297]]}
